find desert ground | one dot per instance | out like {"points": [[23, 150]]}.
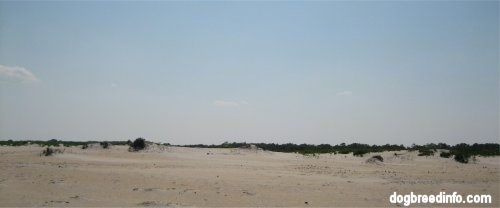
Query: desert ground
{"points": [[178, 176]]}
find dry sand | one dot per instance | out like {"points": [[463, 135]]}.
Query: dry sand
{"points": [[180, 176]]}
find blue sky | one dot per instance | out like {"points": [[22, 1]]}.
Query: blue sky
{"points": [[209, 72]]}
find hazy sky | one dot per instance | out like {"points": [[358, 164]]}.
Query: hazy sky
{"points": [[208, 72]]}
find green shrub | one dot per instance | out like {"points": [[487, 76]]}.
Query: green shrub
{"points": [[359, 153], [445, 154], [50, 151], [425, 152], [138, 144], [104, 145], [462, 158]]}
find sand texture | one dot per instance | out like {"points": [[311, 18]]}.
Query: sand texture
{"points": [[177, 176]]}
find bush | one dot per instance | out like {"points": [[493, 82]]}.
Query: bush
{"points": [[344, 152], [445, 154], [138, 144], [104, 145], [50, 151], [378, 157], [425, 152], [359, 153], [462, 158], [85, 146]]}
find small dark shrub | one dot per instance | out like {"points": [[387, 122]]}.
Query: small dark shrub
{"points": [[378, 157], [104, 145], [445, 154], [461, 158], [344, 152], [85, 146], [50, 151], [359, 153], [425, 152], [138, 144]]}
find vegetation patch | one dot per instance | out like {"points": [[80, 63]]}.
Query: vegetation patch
{"points": [[378, 157], [445, 154], [54, 143], [462, 158], [425, 152], [105, 145], [344, 152], [138, 144], [51, 151], [359, 153], [460, 152]]}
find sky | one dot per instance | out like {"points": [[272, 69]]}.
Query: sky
{"points": [[207, 72]]}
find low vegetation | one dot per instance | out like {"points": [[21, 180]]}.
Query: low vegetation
{"points": [[55, 143], [445, 154], [461, 158], [105, 145], [425, 152], [138, 144], [378, 157], [461, 152], [359, 153], [51, 151]]}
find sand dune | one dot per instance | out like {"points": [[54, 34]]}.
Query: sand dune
{"points": [[178, 176]]}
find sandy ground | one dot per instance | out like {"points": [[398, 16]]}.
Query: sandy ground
{"points": [[180, 176]]}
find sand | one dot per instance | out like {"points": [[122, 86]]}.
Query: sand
{"points": [[177, 176]]}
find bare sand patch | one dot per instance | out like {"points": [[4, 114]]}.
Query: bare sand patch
{"points": [[179, 176]]}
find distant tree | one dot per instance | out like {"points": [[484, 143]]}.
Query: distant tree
{"points": [[138, 144], [443, 146]]}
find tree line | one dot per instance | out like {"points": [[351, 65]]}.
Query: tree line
{"points": [[55, 142], [461, 152]]}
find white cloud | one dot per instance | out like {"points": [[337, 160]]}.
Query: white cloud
{"points": [[226, 103], [16, 73], [344, 93]]}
